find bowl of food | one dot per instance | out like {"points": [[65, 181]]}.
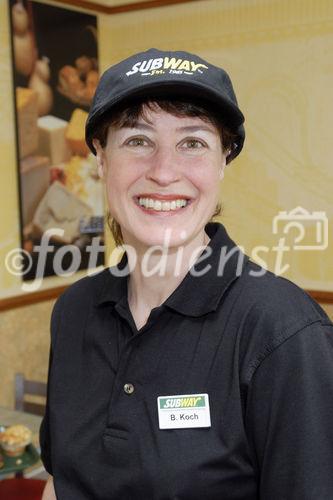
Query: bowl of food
{"points": [[14, 440]]}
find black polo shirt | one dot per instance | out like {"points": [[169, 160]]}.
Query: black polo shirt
{"points": [[259, 347]]}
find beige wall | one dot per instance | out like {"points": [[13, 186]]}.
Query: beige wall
{"points": [[329, 310], [24, 346]]}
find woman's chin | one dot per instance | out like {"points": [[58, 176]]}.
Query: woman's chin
{"points": [[167, 237]]}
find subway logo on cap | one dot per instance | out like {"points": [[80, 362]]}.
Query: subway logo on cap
{"points": [[182, 402], [161, 65]]}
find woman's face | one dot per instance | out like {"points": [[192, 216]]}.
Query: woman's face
{"points": [[162, 177]]}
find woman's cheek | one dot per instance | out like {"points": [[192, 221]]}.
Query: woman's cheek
{"points": [[205, 181]]}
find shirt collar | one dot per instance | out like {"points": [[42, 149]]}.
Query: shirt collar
{"points": [[195, 295]]}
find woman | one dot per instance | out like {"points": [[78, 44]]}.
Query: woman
{"points": [[186, 372]]}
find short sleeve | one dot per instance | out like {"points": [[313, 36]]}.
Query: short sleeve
{"points": [[289, 417], [45, 428]]}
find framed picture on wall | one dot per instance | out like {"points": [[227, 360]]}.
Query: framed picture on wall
{"points": [[55, 73]]}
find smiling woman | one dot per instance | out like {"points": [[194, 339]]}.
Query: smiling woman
{"points": [[135, 118], [162, 177], [193, 373]]}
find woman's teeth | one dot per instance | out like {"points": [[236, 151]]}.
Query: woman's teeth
{"points": [[162, 206]]}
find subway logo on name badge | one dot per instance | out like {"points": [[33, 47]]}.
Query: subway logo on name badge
{"points": [[183, 411]]}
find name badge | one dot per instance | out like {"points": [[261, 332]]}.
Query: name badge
{"points": [[183, 411]]}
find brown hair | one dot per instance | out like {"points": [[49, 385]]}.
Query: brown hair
{"points": [[128, 117]]}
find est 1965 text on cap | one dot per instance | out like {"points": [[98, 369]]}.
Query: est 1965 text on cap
{"points": [[168, 74]]}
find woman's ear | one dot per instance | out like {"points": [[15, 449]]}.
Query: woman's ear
{"points": [[223, 164], [100, 158]]}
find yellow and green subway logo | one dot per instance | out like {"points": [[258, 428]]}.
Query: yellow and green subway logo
{"points": [[182, 402], [160, 65]]}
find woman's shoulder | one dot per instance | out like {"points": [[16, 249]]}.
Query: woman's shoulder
{"points": [[73, 306], [272, 310], [265, 294], [78, 299], [86, 289]]}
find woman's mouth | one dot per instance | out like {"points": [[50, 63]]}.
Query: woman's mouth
{"points": [[162, 204]]}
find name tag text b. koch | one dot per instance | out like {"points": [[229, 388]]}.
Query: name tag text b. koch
{"points": [[183, 411]]}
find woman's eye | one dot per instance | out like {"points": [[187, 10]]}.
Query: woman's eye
{"points": [[137, 142], [193, 144]]}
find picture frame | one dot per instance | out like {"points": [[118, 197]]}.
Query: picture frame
{"points": [[55, 74]]}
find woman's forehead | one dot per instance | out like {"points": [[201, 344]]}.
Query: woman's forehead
{"points": [[152, 115]]}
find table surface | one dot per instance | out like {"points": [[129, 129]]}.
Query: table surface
{"points": [[11, 417]]}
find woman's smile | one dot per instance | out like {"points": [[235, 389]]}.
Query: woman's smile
{"points": [[162, 204]]}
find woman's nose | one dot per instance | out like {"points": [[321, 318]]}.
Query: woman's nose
{"points": [[164, 168]]}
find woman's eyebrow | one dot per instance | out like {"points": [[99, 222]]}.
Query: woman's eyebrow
{"points": [[195, 128], [139, 125], [186, 128]]}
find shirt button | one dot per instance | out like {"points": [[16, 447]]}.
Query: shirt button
{"points": [[129, 388]]}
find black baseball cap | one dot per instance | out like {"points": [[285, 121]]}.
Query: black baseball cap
{"points": [[167, 75]]}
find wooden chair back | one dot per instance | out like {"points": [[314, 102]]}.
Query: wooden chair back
{"points": [[25, 388]]}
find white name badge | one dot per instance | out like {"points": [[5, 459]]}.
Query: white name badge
{"points": [[183, 411]]}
